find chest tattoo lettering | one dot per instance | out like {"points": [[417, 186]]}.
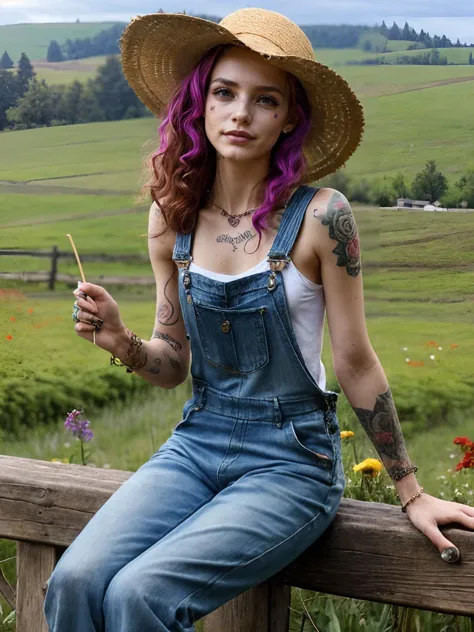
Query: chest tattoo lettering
{"points": [[244, 238]]}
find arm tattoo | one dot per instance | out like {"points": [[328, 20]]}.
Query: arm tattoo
{"points": [[173, 362], [383, 428], [166, 312], [155, 369], [171, 341], [342, 228]]}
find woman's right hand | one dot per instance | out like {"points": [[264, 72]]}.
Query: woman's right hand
{"points": [[99, 304]]}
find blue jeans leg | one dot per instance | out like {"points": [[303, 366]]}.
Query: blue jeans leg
{"points": [[244, 535], [152, 502]]}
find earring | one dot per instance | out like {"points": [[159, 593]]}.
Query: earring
{"points": [[286, 130]]}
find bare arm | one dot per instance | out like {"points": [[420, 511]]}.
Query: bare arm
{"points": [[356, 364], [166, 355]]}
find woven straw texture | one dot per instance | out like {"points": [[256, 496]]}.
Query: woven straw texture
{"points": [[160, 49]]}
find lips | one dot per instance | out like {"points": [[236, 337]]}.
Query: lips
{"points": [[239, 134]]}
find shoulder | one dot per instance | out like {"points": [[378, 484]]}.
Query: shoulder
{"points": [[333, 229], [161, 237]]}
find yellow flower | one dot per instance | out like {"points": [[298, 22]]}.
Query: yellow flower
{"points": [[55, 460], [369, 467], [346, 434]]}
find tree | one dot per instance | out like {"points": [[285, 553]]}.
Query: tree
{"points": [[466, 186], [8, 95], [429, 184], [384, 29], [6, 61], [34, 108], [24, 73], [54, 53], [406, 35], [394, 33], [470, 58], [114, 94], [399, 186]]}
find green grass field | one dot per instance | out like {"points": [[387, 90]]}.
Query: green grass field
{"points": [[34, 39], [453, 55]]}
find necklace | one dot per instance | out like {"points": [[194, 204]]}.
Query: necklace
{"points": [[233, 219]]}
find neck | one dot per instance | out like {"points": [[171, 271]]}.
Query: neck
{"points": [[236, 184]]}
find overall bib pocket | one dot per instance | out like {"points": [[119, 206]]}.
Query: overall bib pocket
{"points": [[308, 433], [234, 340]]}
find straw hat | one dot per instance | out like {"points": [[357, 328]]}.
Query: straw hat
{"points": [[160, 49]]}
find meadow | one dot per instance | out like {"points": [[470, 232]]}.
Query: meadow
{"points": [[418, 277], [34, 39]]}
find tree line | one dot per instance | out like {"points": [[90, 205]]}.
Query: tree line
{"points": [[429, 58], [429, 185], [26, 102]]}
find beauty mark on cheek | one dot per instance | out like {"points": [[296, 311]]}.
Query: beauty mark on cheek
{"points": [[213, 107], [275, 116]]}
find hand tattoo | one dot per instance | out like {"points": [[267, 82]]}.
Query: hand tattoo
{"points": [[383, 428], [342, 228], [246, 236], [171, 341], [167, 314]]}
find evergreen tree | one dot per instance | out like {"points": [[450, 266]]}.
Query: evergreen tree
{"points": [[6, 61], [414, 36], [24, 73], [470, 58], [394, 33], [429, 184], [54, 52], [406, 32], [384, 29]]}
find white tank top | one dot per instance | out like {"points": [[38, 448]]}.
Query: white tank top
{"points": [[306, 304]]}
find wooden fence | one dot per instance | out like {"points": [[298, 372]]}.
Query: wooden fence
{"points": [[53, 274], [371, 551]]}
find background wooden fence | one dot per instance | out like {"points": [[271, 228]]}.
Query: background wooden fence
{"points": [[371, 551], [53, 275]]}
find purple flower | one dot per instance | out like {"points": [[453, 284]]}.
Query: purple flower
{"points": [[78, 427]]}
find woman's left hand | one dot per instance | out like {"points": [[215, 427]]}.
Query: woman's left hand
{"points": [[427, 512]]}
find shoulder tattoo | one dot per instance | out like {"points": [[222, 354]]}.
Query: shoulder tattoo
{"points": [[340, 221]]}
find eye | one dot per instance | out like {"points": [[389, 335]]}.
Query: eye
{"points": [[220, 92], [269, 100]]}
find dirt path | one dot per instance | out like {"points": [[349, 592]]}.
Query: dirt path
{"points": [[436, 84]]}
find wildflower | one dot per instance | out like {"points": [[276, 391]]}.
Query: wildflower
{"points": [[9, 337], [440, 348], [12, 319], [79, 427], [30, 310], [465, 443], [432, 357], [407, 359], [369, 467], [346, 434], [453, 346], [405, 348], [55, 460], [432, 343], [414, 363]]}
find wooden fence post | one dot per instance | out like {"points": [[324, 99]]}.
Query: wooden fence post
{"points": [[34, 565], [264, 608], [54, 267]]}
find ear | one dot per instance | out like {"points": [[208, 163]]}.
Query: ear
{"points": [[289, 127]]}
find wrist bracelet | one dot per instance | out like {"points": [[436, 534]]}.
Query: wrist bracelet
{"points": [[399, 474], [135, 345], [416, 495]]}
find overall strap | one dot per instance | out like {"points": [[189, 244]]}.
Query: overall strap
{"points": [[289, 227], [182, 249]]}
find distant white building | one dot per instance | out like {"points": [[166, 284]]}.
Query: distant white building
{"points": [[407, 203]]}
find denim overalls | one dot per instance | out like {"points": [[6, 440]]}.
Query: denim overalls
{"points": [[250, 477]]}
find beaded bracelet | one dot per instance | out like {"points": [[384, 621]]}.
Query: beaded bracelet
{"points": [[399, 474], [416, 495]]}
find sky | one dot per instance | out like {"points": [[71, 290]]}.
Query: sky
{"points": [[453, 17]]}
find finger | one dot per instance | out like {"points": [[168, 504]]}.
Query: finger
{"points": [[87, 306], [92, 290], [468, 510], [447, 550]]}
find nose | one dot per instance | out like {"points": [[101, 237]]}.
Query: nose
{"points": [[241, 112]]}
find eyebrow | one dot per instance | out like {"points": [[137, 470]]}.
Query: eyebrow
{"points": [[233, 84]]}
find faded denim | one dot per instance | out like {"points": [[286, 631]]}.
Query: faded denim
{"points": [[250, 477]]}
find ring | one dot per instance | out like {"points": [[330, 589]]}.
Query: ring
{"points": [[97, 323], [74, 313], [451, 554]]}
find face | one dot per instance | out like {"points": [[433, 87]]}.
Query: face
{"points": [[246, 94]]}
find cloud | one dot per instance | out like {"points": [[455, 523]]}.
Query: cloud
{"points": [[444, 15]]}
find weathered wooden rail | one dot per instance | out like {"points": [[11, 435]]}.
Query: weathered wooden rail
{"points": [[371, 551]]}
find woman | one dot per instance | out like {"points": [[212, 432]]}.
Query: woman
{"points": [[252, 475]]}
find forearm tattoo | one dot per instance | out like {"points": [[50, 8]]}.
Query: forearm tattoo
{"points": [[383, 428], [342, 228], [167, 314], [171, 341]]}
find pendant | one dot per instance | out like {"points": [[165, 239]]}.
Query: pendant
{"points": [[233, 221]]}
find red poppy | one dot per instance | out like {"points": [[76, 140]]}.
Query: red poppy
{"points": [[9, 337], [12, 319], [30, 310], [453, 346]]}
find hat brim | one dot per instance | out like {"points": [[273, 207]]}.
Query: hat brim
{"points": [[159, 50]]}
